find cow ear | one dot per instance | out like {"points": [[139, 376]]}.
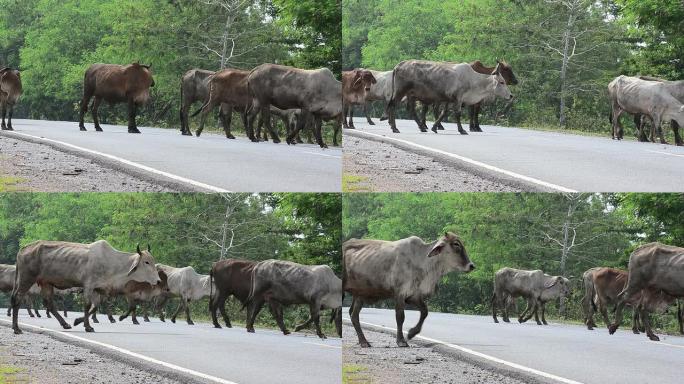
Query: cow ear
{"points": [[555, 281], [357, 78], [137, 249], [135, 263], [163, 276], [437, 249]]}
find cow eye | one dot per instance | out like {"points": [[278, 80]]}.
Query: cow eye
{"points": [[147, 262], [456, 247]]}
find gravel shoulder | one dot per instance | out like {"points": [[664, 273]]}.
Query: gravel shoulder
{"points": [[27, 166], [420, 363], [38, 358], [374, 166]]}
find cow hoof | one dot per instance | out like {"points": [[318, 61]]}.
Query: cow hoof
{"points": [[539, 323], [590, 328], [412, 333], [186, 133], [364, 344], [322, 336], [96, 321], [146, 320], [520, 321], [286, 332], [371, 123], [217, 326], [32, 316], [496, 321], [635, 331], [66, 326], [654, 337], [78, 321], [90, 329], [230, 137], [121, 317], [324, 146], [112, 321], [402, 344], [173, 320], [17, 331], [136, 323], [191, 323], [423, 130], [545, 323], [82, 129], [394, 130], [135, 130], [276, 141], [250, 330], [463, 132], [434, 129], [98, 129], [506, 320], [612, 328]]}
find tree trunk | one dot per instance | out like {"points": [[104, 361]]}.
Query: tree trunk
{"points": [[564, 64]]}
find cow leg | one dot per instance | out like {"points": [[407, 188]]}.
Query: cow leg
{"points": [[505, 301], [645, 319], [145, 313], [269, 125], [411, 107], [494, 302], [96, 105], [617, 128], [94, 316], [181, 302], [132, 110], [134, 313], [423, 116], [91, 312], [18, 293], [315, 310], [318, 126], [423, 314], [304, 324], [187, 313], [536, 314], [635, 321], [365, 112], [253, 312], [530, 310], [84, 108], [222, 308], [458, 109], [226, 116], [475, 118], [108, 309], [47, 292], [9, 119], [214, 303], [441, 117], [622, 299], [184, 110], [399, 315], [437, 111], [345, 114], [277, 313], [543, 314], [354, 311], [4, 113], [27, 303], [351, 116]]}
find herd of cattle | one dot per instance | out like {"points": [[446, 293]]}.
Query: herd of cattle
{"points": [[100, 273], [407, 271]]}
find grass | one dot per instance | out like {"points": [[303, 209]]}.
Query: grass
{"points": [[10, 183], [8, 375], [352, 373], [355, 183]]}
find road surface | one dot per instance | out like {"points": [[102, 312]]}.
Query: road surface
{"points": [[207, 163], [545, 160], [232, 355], [568, 352]]}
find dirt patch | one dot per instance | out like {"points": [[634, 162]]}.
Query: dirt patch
{"points": [[37, 167], [387, 363], [37, 358], [381, 167]]}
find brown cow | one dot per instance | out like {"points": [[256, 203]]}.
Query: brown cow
{"points": [[138, 293], [602, 286], [234, 277], [195, 87], [115, 83], [229, 89], [355, 86], [10, 90]]}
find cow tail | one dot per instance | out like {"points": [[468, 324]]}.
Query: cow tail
{"points": [[211, 288], [181, 104], [593, 303], [201, 108], [252, 289]]}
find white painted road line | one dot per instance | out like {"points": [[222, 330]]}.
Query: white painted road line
{"points": [[474, 162], [485, 356], [130, 353], [323, 345], [130, 163], [665, 153]]}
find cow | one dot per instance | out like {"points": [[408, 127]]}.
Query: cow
{"points": [[234, 277], [676, 89], [601, 286], [315, 92], [658, 267], [406, 270], [534, 286], [10, 91], [115, 83], [506, 72], [380, 91], [97, 267], [432, 82], [290, 283], [140, 293], [290, 119], [195, 87], [186, 284], [356, 85], [644, 97], [227, 88], [7, 284]]}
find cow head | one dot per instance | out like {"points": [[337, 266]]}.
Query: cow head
{"points": [[163, 286], [10, 81], [562, 285], [655, 301], [143, 267], [451, 249], [363, 78], [506, 71], [498, 84]]}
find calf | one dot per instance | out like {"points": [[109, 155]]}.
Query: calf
{"points": [[186, 284], [406, 270], [114, 83], [138, 293], [356, 85], [10, 91]]}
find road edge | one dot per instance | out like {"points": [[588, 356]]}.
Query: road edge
{"points": [[108, 163], [114, 355], [451, 161], [481, 363]]}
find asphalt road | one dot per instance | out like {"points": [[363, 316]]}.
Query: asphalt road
{"points": [[570, 352], [554, 161], [207, 163], [230, 354]]}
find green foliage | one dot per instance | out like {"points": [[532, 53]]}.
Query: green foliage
{"points": [[605, 39], [520, 231], [53, 43]]}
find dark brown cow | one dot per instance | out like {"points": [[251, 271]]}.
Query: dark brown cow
{"points": [[506, 72], [10, 90], [234, 277], [355, 86], [229, 89], [115, 83], [195, 87]]}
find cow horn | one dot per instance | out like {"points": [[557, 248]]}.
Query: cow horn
{"points": [[137, 249], [148, 248]]}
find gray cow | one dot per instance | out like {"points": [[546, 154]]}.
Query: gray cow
{"points": [[186, 284], [380, 91], [535, 287], [658, 267], [405, 270], [435, 82], [644, 97], [97, 267], [7, 284], [315, 92], [289, 283], [194, 88]]}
